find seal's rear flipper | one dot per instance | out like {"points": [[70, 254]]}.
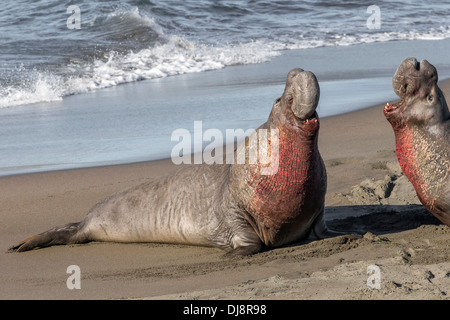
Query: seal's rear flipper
{"points": [[55, 236]]}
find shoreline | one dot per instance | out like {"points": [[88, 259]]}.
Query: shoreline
{"points": [[362, 116], [400, 237], [133, 122]]}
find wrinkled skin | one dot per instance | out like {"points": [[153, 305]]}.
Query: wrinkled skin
{"points": [[232, 206], [421, 124]]}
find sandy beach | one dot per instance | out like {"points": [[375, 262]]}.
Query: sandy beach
{"points": [[367, 194]]}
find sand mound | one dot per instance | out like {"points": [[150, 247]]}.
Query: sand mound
{"points": [[393, 189]]}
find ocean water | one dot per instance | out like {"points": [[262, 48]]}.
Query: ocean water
{"points": [[45, 57], [108, 81]]}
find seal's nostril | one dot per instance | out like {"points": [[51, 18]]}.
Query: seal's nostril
{"points": [[416, 64]]}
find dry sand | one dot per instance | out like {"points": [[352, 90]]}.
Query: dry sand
{"points": [[367, 193]]}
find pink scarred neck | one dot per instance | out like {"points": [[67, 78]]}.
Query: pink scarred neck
{"points": [[407, 155]]}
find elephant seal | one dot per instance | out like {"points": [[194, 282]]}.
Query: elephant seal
{"points": [[421, 124], [231, 206]]}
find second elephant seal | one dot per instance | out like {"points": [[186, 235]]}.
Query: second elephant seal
{"points": [[421, 123]]}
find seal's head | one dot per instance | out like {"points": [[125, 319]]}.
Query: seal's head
{"points": [[301, 93], [422, 101], [297, 106]]}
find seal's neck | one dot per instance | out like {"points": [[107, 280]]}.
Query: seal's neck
{"points": [[412, 151]]}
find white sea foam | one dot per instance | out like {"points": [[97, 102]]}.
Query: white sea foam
{"points": [[177, 56], [352, 39], [44, 88]]}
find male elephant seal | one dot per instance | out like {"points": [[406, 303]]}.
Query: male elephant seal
{"points": [[421, 123], [231, 206]]}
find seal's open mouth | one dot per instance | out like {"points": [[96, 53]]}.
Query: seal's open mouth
{"points": [[312, 123], [392, 107], [395, 105]]}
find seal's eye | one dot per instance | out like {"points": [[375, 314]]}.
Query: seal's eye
{"points": [[430, 98], [290, 100]]}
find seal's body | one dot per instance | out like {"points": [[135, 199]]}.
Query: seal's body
{"points": [[237, 207], [421, 123]]}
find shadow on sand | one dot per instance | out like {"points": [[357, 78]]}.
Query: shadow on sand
{"points": [[378, 219]]}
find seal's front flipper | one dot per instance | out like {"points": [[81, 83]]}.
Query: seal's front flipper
{"points": [[244, 244], [55, 236], [243, 251]]}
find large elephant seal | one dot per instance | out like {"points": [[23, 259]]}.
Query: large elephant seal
{"points": [[421, 123], [232, 206]]}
